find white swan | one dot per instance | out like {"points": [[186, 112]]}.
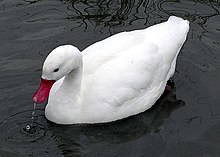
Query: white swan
{"points": [[120, 76]]}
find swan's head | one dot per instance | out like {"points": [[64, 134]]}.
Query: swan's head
{"points": [[61, 61]]}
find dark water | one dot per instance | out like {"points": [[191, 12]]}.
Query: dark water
{"points": [[183, 123]]}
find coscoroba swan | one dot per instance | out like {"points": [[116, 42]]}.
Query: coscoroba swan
{"points": [[112, 79]]}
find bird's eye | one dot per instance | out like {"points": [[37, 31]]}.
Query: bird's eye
{"points": [[55, 70]]}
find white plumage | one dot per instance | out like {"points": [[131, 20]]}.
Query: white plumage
{"points": [[112, 79]]}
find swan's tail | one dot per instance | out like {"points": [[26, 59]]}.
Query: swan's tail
{"points": [[178, 30], [171, 36], [178, 33], [177, 21]]}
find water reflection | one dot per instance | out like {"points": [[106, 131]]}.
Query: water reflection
{"points": [[109, 14], [113, 14]]}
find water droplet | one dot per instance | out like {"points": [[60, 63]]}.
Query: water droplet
{"points": [[33, 112], [35, 105], [30, 128]]}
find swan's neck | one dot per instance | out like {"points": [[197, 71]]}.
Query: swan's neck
{"points": [[64, 106], [71, 86], [72, 82]]}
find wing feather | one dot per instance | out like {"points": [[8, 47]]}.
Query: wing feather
{"points": [[106, 50], [124, 75]]}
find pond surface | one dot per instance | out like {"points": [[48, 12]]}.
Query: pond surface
{"points": [[183, 123]]}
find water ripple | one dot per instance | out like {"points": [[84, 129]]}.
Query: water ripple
{"points": [[14, 138]]}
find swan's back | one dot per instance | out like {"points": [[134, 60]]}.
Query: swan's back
{"points": [[167, 35], [125, 74]]}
